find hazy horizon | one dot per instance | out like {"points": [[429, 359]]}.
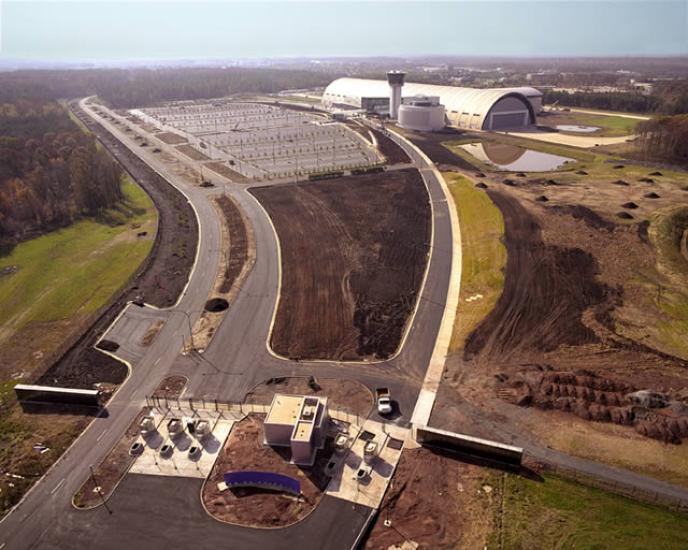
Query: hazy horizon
{"points": [[164, 31]]}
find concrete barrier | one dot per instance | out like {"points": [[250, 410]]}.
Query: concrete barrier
{"points": [[468, 445], [54, 395]]}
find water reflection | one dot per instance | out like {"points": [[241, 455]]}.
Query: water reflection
{"points": [[513, 158], [578, 128]]}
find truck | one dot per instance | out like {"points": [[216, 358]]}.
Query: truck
{"points": [[383, 400]]}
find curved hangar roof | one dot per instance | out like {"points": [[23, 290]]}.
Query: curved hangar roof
{"points": [[471, 108]]}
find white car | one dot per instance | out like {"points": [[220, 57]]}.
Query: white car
{"points": [[384, 405]]}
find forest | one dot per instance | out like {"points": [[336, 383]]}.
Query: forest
{"points": [[126, 88], [51, 172], [664, 138]]}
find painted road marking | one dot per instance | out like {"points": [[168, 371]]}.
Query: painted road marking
{"points": [[57, 487], [101, 435], [157, 361]]}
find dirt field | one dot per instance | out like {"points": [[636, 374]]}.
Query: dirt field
{"points": [[170, 138], [392, 152], [171, 387], [160, 280], [447, 511], [347, 395], [244, 450], [353, 256], [238, 239], [192, 153], [224, 170], [431, 144], [590, 297]]}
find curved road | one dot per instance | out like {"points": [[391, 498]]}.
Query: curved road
{"points": [[235, 361]]}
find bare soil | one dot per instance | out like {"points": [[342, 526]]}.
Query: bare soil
{"points": [[159, 281], [431, 144], [171, 387], [436, 502], [224, 170], [244, 450], [170, 138], [238, 242], [347, 395], [391, 151], [192, 153], [353, 255], [111, 470], [560, 337]]}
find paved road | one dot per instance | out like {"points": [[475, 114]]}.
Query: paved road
{"points": [[235, 361], [174, 519]]}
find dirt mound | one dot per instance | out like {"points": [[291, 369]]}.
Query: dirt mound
{"points": [[621, 182], [590, 217], [581, 172], [480, 175], [630, 205], [651, 195], [542, 198], [618, 166], [646, 180], [481, 185], [520, 175], [594, 398], [509, 182], [624, 215], [655, 173], [547, 289]]}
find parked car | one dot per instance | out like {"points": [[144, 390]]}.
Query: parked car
{"points": [[383, 400]]}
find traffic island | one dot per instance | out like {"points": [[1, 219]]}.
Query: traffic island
{"points": [[262, 506]]}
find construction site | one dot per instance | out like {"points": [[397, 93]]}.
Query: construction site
{"points": [[298, 377]]}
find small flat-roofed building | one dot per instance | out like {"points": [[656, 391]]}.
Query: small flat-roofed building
{"points": [[298, 422]]}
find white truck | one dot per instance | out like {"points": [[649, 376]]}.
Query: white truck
{"points": [[383, 400]]}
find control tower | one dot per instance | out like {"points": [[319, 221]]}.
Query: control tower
{"points": [[396, 82]]}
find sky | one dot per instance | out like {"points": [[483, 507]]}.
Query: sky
{"points": [[73, 31]]}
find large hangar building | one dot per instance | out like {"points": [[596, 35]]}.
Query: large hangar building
{"points": [[467, 108]]}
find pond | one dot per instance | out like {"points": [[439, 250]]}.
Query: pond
{"points": [[578, 128], [515, 159]]}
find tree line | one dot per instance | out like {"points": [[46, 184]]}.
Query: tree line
{"points": [[51, 172], [126, 88], [664, 138], [669, 98]]}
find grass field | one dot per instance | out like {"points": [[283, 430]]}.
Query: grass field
{"points": [[74, 271], [483, 256], [609, 125], [668, 231], [563, 514], [54, 283]]}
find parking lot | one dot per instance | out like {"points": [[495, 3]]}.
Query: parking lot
{"points": [[263, 141]]}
